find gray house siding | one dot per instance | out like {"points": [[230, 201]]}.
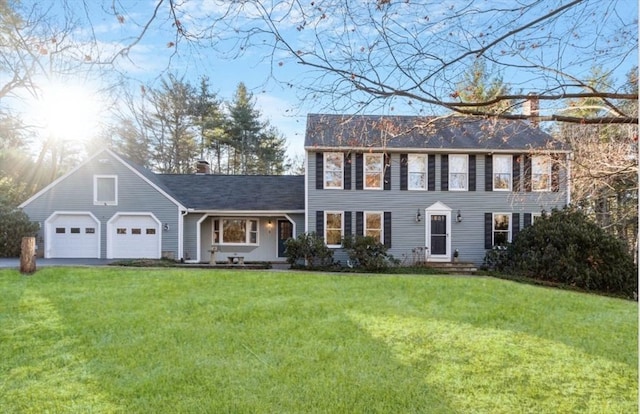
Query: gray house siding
{"points": [[407, 234], [74, 193]]}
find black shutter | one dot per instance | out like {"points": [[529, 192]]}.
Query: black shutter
{"points": [[320, 224], [387, 229], [472, 173], [515, 168], [555, 176], [444, 172], [515, 226], [488, 230], [347, 224], [527, 173], [387, 171], [347, 172], [319, 171], [404, 172], [488, 173], [359, 223], [359, 162], [431, 172], [527, 219]]}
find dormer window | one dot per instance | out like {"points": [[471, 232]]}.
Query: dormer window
{"points": [[105, 190]]}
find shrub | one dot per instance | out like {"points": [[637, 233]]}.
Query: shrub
{"points": [[14, 225], [308, 248], [367, 253], [566, 247]]}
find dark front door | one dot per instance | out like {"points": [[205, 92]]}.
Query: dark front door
{"points": [[438, 234], [285, 231]]}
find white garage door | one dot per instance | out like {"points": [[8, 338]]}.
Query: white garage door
{"points": [[72, 235], [133, 236]]}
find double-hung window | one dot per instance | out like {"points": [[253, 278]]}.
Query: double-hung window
{"points": [[458, 172], [373, 225], [105, 190], [333, 228], [417, 171], [501, 229], [540, 173], [502, 172], [235, 231], [373, 171], [333, 170]]}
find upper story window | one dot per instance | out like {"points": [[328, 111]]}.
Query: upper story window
{"points": [[502, 172], [333, 170], [458, 172], [333, 228], [540, 173], [373, 225], [105, 190], [373, 171], [501, 229], [417, 170], [236, 231]]}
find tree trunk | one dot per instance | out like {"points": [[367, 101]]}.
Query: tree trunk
{"points": [[28, 255]]}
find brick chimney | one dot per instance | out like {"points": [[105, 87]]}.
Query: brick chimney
{"points": [[202, 168], [531, 107]]}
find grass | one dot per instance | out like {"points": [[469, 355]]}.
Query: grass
{"points": [[116, 340]]}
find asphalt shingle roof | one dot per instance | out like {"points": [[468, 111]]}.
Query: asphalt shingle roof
{"points": [[236, 192], [415, 132]]}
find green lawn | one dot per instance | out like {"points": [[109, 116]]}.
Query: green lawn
{"points": [[129, 340]]}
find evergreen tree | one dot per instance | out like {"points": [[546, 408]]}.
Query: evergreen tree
{"points": [[479, 86], [210, 123], [244, 132], [171, 126]]}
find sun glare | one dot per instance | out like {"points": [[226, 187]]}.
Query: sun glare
{"points": [[68, 112]]}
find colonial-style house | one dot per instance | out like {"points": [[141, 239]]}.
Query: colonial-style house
{"points": [[426, 187], [430, 188]]}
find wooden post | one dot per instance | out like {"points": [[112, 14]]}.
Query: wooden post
{"points": [[28, 255]]}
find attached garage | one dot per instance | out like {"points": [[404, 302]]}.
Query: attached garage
{"points": [[133, 236], [72, 235]]}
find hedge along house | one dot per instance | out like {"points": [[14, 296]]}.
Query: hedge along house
{"points": [[109, 207], [429, 187]]}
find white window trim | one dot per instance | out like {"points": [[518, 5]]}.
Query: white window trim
{"points": [[95, 190], [364, 223], [364, 171], [324, 172], [221, 242], [326, 213], [426, 173], [535, 216], [466, 173], [510, 172], [493, 228], [548, 172]]}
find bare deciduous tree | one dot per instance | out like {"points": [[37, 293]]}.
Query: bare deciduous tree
{"points": [[414, 52]]}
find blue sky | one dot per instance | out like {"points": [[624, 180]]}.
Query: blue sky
{"points": [[151, 57]]}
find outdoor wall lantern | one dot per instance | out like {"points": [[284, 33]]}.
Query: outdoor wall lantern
{"points": [[418, 217], [459, 217]]}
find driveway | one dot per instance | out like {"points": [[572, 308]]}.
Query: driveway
{"points": [[15, 262]]}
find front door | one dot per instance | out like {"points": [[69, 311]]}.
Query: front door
{"points": [[285, 231], [438, 233]]}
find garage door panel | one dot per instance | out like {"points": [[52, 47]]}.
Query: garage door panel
{"points": [[73, 236], [134, 237]]}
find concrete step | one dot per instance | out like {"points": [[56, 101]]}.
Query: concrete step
{"points": [[452, 267]]}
